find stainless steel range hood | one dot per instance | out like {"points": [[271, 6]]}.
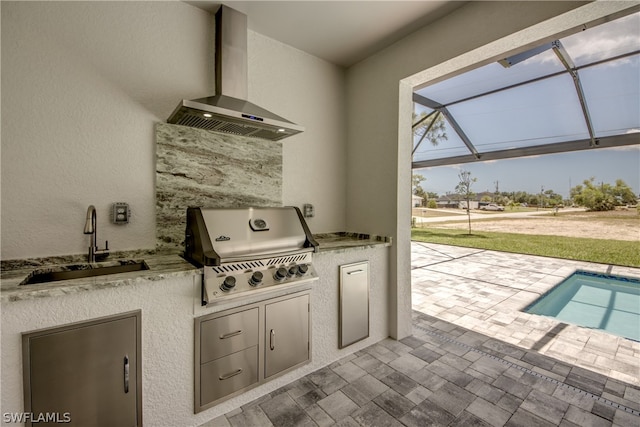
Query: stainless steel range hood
{"points": [[229, 111]]}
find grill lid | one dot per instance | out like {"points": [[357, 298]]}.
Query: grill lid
{"points": [[217, 235]]}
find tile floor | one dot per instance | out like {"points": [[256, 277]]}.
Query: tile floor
{"points": [[473, 360]]}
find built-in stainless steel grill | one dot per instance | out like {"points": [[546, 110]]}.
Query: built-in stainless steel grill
{"points": [[247, 250]]}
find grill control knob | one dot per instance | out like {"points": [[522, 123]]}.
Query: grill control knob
{"points": [[280, 274], [303, 269], [256, 278], [293, 270], [228, 284]]}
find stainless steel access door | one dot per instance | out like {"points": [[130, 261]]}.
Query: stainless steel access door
{"points": [[286, 334], [354, 303], [88, 372]]}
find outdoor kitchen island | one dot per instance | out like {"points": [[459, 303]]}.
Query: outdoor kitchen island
{"points": [[169, 300]]}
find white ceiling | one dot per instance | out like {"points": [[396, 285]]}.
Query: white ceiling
{"points": [[341, 32]]}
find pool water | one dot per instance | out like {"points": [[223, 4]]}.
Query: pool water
{"points": [[594, 300]]}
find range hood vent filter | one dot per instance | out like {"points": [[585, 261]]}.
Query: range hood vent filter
{"points": [[198, 122]]}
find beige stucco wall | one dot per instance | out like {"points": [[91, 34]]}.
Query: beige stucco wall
{"points": [[83, 84]]}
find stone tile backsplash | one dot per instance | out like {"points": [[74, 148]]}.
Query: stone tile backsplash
{"points": [[196, 167]]}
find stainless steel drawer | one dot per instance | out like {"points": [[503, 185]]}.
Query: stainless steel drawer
{"points": [[228, 334], [228, 375]]}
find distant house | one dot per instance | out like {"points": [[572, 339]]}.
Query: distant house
{"points": [[457, 201], [473, 204], [448, 201], [416, 201]]}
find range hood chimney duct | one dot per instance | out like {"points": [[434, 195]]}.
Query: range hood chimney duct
{"points": [[229, 111]]}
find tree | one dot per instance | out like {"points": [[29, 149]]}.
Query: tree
{"points": [[417, 190], [552, 198], [416, 179], [432, 195], [623, 194], [602, 197], [436, 134], [503, 200], [464, 189]]}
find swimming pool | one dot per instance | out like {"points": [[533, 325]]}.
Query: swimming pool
{"points": [[594, 300]]}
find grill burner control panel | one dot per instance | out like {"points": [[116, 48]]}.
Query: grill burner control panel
{"points": [[238, 279]]}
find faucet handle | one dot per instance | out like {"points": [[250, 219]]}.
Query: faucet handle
{"points": [[101, 254]]}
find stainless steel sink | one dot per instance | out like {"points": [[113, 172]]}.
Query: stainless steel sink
{"points": [[77, 271]]}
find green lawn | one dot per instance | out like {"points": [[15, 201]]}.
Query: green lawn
{"points": [[617, 252]]}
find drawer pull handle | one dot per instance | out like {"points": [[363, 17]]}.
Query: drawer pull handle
{"points": [[230, 334], [355, 272], [272, 339], [232, 374]]}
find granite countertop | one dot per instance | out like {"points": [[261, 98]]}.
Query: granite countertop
{"points": [[346, 240], [162, 264]]}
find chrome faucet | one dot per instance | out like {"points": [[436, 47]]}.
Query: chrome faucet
{"points": [[91, 227]]}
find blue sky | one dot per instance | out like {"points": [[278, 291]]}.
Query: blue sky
{"points": [[554, 171], [544, 112]]}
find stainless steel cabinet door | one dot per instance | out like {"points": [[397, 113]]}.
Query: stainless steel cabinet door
{"points": [[87, 372], [286, 334], [354, 303]]}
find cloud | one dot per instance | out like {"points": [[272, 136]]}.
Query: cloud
{"points": [[599, 42], [624, 148]]}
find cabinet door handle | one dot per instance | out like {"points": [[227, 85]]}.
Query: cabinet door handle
{"points": [[230, 334], [355, 272], [272, 339], [232, 374], [126, 374]]}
